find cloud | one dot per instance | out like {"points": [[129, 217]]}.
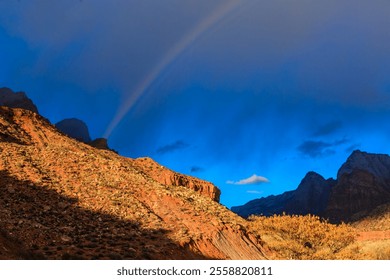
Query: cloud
{"points": [[195, 169], [169, 148], [252, 180], [254, 192], [317, 149], [328, 128]]}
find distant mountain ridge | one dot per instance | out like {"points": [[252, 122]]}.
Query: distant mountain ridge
{"points": [[75, 128], [12, 99], [311, 196], [362, 184]]}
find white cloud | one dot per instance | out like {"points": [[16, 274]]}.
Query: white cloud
{"points": [[254, 192], [252, 180]]}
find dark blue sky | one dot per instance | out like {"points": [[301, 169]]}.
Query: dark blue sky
{"points": [[229, 89]]}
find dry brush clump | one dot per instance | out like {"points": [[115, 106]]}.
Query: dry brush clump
{"points": [[305, 237]]}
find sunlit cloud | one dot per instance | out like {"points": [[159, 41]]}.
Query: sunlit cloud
{"points": [[252, 180]]}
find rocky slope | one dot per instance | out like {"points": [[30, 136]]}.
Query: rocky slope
{"points": [[61, 199], [363, 183], [13, 99]]}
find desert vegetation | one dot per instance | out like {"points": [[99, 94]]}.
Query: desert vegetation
{"points": [[306, 237], [313, 238]]}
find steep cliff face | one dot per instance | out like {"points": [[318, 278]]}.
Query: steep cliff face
{"points": [[355, 195], [168, 177], [376, 164], [62, 199], [363, 183], [13, 99]]}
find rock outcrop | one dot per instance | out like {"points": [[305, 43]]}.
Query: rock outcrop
{"points": [[168, 177], [12, 99], [62, 199], [74, 128], [363, 183], [101, 144]]}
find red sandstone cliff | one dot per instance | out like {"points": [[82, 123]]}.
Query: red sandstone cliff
{"points": [[168, 177]]}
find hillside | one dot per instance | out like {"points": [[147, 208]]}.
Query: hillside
{"points": [[63, 199]]}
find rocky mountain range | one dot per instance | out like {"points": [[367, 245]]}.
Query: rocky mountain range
{"points": [[63, 199], [362, 184]]}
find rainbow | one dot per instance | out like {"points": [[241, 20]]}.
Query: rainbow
{"points": [[200, 29]]}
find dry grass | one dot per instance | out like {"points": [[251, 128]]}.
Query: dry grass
{"points": [[375, 249], [306, 237]]}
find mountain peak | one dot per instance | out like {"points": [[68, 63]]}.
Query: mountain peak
{"points": [[310, 181], [376, 164], [74, 128], [12, 99], [312, 175]]}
